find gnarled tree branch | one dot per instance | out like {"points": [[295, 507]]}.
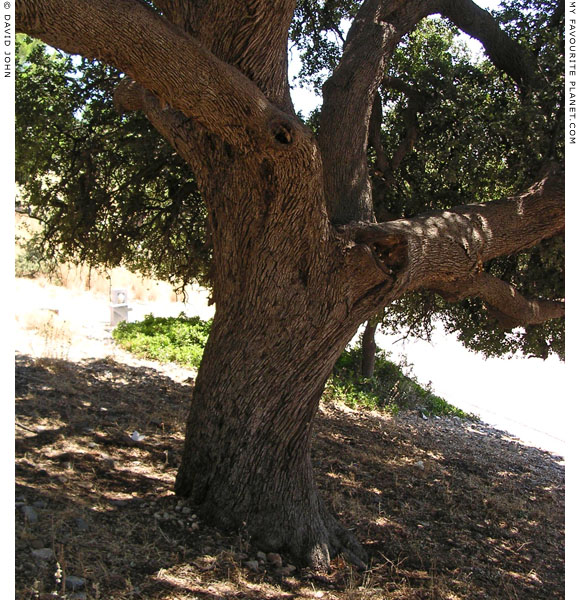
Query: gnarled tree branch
{"points": [[438, 250], [505, 53], [155, 53], [508, 306], [348, 97], [184, 135], [252, 36]]}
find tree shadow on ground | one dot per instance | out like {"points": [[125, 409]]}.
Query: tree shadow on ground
{"points": [[445, 508]]}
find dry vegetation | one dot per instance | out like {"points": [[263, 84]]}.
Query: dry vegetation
{"points": [[447, 509]]}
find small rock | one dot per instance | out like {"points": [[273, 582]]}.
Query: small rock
{"points": [[285, 571], [186, 510], [420, 464], [75, 583], [43, 553], [81, 524], [261, 556], [92, 445], [30, 514], [37, 544], [253, 565], [274, 559]]}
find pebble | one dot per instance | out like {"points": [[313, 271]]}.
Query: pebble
{"points": [[43, 553], [74, 583], [253, 565], [274, 558], [285, 571], [261, 556], [30, 514]]}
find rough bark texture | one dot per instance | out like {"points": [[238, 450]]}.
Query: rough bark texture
{"points": [[369, 349], [290, 288]]}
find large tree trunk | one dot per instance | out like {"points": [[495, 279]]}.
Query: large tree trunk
{"points": [[282, 318], [246, 461]]}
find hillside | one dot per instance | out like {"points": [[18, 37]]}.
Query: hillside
{"points": [[447, 509]]}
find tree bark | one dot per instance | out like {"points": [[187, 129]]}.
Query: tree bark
{"points": [[369, 349], [246, 462]]}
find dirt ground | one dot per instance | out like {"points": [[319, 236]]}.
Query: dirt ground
{"points": [[446, 509]]}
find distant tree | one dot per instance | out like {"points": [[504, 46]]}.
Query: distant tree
{"points": [[299, 260]]}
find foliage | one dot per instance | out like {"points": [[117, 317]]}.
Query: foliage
{"points": [[32, 262], [107, 188], [389, 389], [317, 33], [479, 139], [179, 339], [182, 340]]}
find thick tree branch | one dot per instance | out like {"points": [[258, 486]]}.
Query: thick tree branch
{"points": [[156, 54], [508, 306], [348, 97], [184, 135], [439, 249], [252, 36], [347, 102], [505, 53]]}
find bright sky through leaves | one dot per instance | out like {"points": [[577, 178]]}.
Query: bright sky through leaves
{"points": [[306, 100]]}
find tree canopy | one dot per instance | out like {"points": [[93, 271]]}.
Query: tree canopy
{"points": [[107, 188], [450, 129]]}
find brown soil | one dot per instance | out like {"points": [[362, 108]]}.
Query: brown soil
{"points": [[447, 509]]}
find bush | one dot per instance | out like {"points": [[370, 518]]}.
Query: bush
{"points": [[389, 389], [179, 339]]}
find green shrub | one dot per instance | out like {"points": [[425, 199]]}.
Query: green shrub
{"points": [[179, 339], [389, 389]]}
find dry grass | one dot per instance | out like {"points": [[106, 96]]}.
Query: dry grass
{"points": [[81, 278], [54, 335], [447, 510]]}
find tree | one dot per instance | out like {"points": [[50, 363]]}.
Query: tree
{"points": [[107, 188], [298, 258]]}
